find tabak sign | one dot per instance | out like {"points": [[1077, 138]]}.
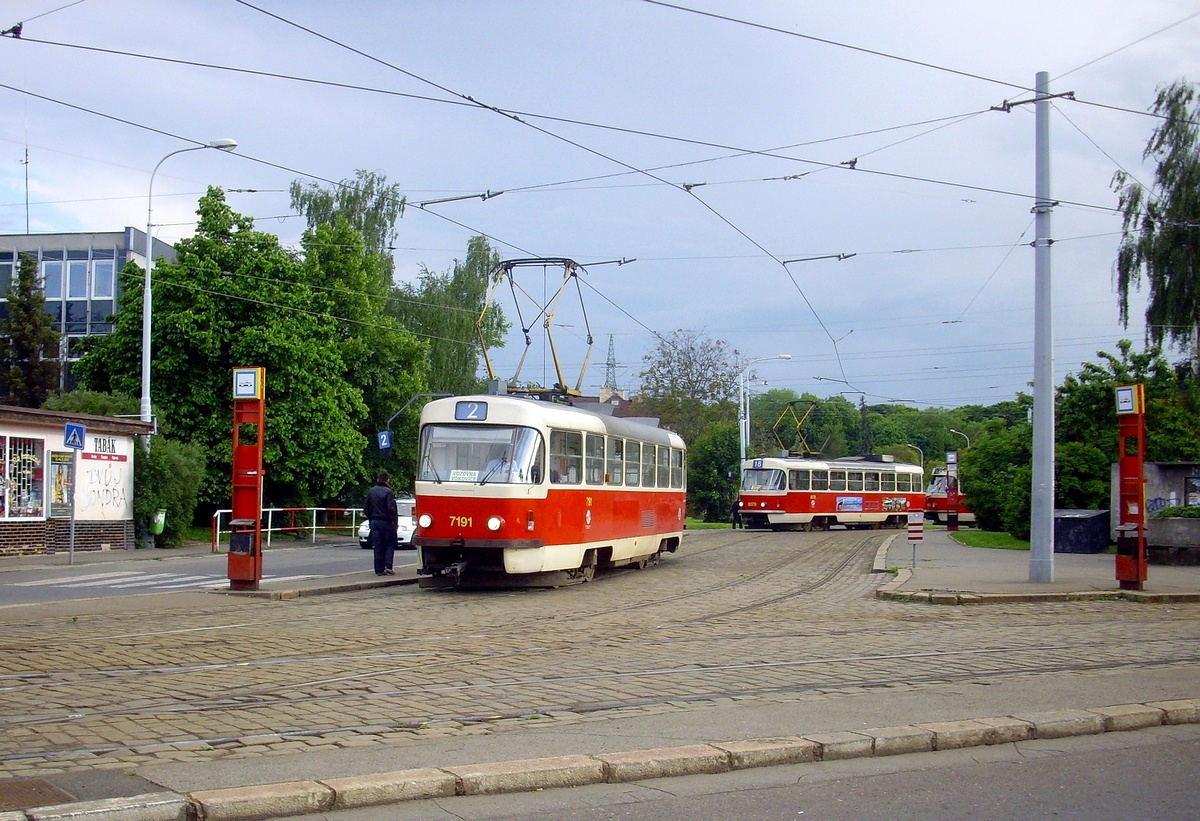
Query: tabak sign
{"points": [[102, 477]]}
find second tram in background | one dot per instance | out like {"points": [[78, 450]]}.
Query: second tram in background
{"points": [[939, 501], [796, 493]]}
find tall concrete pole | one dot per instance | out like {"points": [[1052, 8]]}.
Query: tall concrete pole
{"points": [[1041, 542]]}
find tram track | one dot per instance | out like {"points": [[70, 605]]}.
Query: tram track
{"points": [[547, 708], [531, 653], [300, 692]]}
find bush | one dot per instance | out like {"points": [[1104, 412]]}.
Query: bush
{"points": [[167, 478], [1189, 512]]}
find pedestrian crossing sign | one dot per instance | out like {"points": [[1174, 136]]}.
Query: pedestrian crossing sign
{"points": [[73, 435]]}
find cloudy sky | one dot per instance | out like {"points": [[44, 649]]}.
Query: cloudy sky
{"points": [[712, 142]]}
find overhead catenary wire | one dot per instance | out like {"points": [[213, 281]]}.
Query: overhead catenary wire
{"points": [[460, 223]]}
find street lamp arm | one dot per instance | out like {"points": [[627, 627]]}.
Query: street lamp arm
{"points": [[963, 435], [223, 144], [744, 405], [917, 448]]}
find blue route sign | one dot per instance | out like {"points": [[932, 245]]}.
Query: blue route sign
{"points": [[385, 439], [73, 435]]}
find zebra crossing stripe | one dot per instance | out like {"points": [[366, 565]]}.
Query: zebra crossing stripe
{"points": [[75, 580]]}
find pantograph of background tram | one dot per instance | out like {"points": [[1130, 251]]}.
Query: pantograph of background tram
{"points": [[522, 491], [796, 493]]}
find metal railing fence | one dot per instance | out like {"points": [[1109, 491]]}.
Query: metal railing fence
{"points": [[298, 522]]}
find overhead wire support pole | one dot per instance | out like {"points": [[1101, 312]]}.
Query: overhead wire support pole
{"points": [[1041, 540]]}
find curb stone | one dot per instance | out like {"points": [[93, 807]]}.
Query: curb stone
{"points": [[390, 788], [663, 762], [265, 801], [526, 776], [261, 802], [892, 592], [159, 806]]}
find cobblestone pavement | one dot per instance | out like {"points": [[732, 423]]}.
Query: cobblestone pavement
{"points": [[734, 615]]}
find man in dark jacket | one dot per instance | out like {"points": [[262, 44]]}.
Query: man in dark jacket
{"points": [[380, 510]]}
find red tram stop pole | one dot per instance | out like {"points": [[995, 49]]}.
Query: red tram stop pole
{"points": [[1131, 486], [249, 422]]}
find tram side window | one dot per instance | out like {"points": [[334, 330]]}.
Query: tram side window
{"points": [[854, 480], [798, 479], [594, 458], [664, 466], [820, 480], [649, 465], [677, 468], [903, 483], [616, 460], [887, 482], [837, 480], [566, 457], [633, 457], [871, 480]]}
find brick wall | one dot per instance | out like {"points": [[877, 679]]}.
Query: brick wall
{"points": [[54, 536]]}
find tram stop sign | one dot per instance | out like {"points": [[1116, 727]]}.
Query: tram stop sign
{"points": [[916, 525]]}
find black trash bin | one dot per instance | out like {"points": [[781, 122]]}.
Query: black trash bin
{"points": [[1081, 531]]}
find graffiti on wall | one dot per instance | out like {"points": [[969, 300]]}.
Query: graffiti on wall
{"points": [[104, 482]]}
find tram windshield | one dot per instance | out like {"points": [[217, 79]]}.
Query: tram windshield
{"points": [[482, 454], [762, 479]]}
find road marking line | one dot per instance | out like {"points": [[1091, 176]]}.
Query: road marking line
{"points": [[75, 580]]}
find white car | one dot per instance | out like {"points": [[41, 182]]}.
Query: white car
{"points": [[404, 529]]}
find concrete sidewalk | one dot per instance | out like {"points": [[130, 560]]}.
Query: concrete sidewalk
{"points": [[947, 572]]}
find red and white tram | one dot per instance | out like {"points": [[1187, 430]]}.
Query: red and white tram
{"points": [[792, 493], [519, 491], [939, 502]]}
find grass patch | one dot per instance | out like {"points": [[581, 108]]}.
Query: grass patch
{"points": [[700, 524], [988, 538]]}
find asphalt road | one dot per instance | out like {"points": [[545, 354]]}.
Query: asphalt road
{"points": [[27, 581], [1149, 774]]}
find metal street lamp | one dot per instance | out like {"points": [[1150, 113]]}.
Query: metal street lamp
{"points": [[224, 144], [744, 408], [918, 450], [963, 435]]}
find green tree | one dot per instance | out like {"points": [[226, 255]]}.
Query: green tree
{"points": [[167, 478], [235, 298], [27, 376], [996, 471], [382, 360], [713, 471], [690, 382], [996, 475], [443, 310], [368, 203], [1162, 225]]}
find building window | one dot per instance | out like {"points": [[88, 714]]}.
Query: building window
{"points": [[77, 279], [102, 279], [23, 478], [52, 279]]}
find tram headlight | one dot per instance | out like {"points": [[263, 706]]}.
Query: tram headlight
{"points": [[494, 523], [424, 520]]}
